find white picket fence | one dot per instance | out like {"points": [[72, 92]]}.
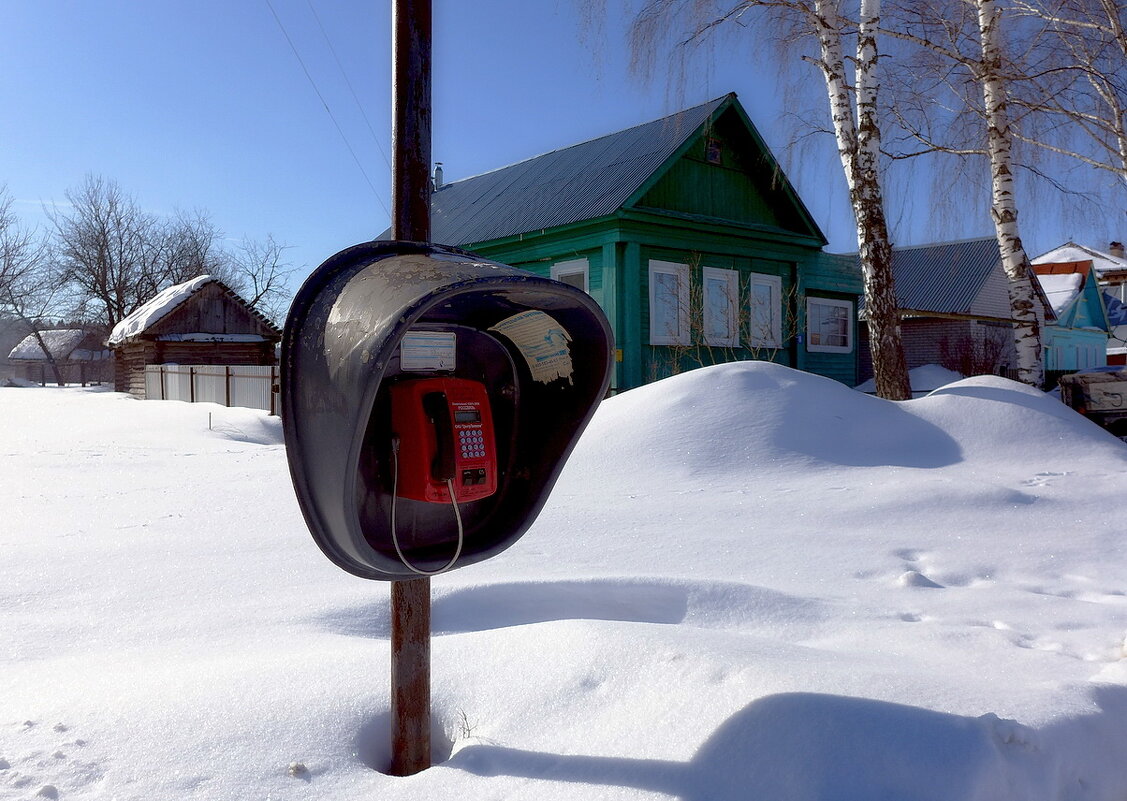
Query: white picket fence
{"points": [[230, 385]]}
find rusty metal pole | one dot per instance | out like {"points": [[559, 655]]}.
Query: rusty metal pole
{"points": [[410, 220]]}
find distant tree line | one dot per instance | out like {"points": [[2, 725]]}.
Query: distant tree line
{"points": [[1001, 88], [102, 256]]}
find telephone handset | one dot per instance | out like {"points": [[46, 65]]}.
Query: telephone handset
{"points": [[445, 431]]}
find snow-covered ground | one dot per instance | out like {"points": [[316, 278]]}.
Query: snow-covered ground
{"points": [[750, 583]]}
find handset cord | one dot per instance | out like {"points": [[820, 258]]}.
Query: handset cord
{"points": [[395, 536]]}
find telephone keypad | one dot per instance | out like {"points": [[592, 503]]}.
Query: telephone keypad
{"points": [[472, 443]]}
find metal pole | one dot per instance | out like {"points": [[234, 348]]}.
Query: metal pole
{"points": [[410, 676], [410, 136], [410, 220]]}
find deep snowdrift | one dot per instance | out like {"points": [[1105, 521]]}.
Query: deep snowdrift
{"points": [[749, 583]]}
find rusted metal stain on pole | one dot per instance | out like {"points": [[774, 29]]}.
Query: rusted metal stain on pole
{"points": [[410, 676], [410, 220]]}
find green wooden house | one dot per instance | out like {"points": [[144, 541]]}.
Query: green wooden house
{"points": [[687, 233]]}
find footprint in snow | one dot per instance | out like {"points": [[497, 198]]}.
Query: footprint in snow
{"points": [[914, 578]]}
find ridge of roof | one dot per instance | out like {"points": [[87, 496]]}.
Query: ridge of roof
{"points": [[714, 103]]}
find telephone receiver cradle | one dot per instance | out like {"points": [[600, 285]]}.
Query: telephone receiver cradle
{"points": [[367, 426]]}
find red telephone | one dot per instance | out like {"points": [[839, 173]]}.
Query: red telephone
{"points": [[445, 429]]}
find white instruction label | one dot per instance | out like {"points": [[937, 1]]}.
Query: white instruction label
{"points": [[543, 343], [421, 351]]}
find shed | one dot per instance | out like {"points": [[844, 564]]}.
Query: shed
{"points": [[198, 322], [78, 354], [955, 307], [688, 234], [1079, 337]]}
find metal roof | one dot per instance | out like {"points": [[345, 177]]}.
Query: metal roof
{"points": [[583, 182], [945, 277]]}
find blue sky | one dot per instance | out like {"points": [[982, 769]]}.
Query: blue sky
{"points": [[202, 104]]}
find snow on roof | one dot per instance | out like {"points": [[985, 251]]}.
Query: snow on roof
{"points": [[59, 342], [163, 303], [1061, 289], [1102, 262]]}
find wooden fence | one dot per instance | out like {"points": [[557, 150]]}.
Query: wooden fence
{"points": [[229, 385]]}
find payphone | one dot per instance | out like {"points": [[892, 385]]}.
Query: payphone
{"points": [[429, 400]]}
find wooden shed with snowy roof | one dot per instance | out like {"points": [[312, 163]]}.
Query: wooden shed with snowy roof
{"points": [[77, 355], [198, 322]]}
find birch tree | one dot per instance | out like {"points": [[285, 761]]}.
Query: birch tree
{"points": [[1090, 38], [964, 37], [1004, 207], [853, 111]]}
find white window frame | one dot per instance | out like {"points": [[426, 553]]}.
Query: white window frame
{"points": [[681, 271], [573, 267], [731, 279], [775, 340], [819, 347]]}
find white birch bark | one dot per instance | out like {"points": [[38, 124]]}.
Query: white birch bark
{"points": [[1003, 210], [858, 142]]}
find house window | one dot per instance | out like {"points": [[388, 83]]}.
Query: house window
{"points": [[573, 272], [765, 311], [721, 289], [714, 152], [829, 325], [669, 303]]}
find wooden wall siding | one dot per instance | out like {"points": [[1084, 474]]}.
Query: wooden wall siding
{"points": [[257, 353], [743, 187], [129, 367], [696, 187], [211, 310]]}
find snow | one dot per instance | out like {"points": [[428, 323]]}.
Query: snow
{"points": [[750, 582], [1102, 262], [60, 342], [922, 379], [1061, 289], [161, 304]]}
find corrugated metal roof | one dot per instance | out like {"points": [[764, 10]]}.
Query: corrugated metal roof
{"points": [[583, 182], [945, 277]]}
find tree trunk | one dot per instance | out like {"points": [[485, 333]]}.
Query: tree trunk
{"points": [[1003, 210], [47, 353], [859, 147]]}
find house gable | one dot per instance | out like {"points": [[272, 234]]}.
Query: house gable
{"points": [[212, 309], [725, 172], [1077, 299]]}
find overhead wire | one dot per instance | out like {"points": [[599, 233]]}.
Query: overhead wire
{"points": [[328, 110], [348, 83]]}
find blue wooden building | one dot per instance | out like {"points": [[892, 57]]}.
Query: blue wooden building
{"points": [[1079, 336]]}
